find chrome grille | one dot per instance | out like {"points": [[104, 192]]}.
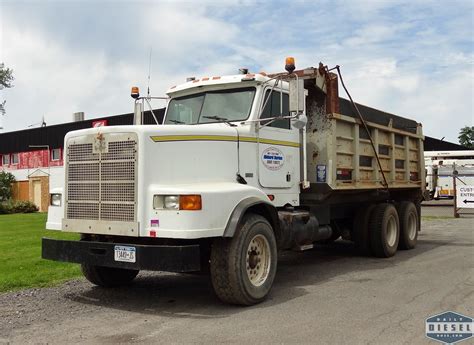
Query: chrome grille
{"points": [[82, 211], [113, 171], [81, 152], [101, 185], [121, 192], [117, 212], [84, 172], [83, 192]]}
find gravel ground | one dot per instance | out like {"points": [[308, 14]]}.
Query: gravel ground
{"points": [[326, 295]]}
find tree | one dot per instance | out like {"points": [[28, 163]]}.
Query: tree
{"points": [[6, 78], [6, 180], [466, 137]]}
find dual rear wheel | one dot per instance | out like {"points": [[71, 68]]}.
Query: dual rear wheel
{"points": [[381, 229]]}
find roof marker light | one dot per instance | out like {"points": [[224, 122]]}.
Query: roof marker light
{"points": [[135, 93], [248, 77], [290, 64]]}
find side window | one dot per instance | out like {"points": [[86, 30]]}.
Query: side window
{"points": [[15, 158], [272, 109], [55, 154], [6, 159]]}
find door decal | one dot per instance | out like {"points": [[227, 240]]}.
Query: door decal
{"points": [[273, 158]]}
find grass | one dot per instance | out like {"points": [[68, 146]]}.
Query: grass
{"points": [[21, 265]]}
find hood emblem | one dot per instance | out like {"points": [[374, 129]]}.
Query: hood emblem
{"points": [[100, 145]]}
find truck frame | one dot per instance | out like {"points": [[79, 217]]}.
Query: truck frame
{"points": [[244, 166]]}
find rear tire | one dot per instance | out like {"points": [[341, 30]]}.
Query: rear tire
{"points": [[108, 276], [360, 230], [384, 230], [409, 225], [243, 267]]}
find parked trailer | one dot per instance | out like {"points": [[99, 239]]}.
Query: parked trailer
{"points": [[440, 166], [243, 167]]}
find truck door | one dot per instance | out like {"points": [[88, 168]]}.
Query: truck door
{"points": [[278, 146]]}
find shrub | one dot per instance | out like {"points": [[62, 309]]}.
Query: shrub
{"points": [[17, 206], [5, 208], [24, 207]]}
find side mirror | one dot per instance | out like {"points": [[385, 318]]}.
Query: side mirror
{"points": [[299, 122], [296, 96]]}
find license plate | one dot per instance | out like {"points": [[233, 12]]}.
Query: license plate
{"points": [[125, 254]]}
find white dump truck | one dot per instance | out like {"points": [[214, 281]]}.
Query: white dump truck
{"points": [[243, 166]]}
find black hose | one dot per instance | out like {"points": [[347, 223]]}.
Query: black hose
{"points": [[365, 126]]}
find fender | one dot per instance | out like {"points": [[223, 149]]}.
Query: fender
{"points": [[242, 207]]}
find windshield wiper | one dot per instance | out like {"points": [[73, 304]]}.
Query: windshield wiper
{"points": [[214, 117], [218, 118], [176, 121]]}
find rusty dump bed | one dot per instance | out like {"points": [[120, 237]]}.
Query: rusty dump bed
{"points": [[340, 156]]}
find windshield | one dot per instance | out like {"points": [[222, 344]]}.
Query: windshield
{"points": [[211, 106]]}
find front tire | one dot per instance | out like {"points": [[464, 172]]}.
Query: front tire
{"points": [[384, 229], [243, 268], [108, 276]]}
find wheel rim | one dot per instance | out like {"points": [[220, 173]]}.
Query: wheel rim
{"points": [[391, 232], [258, 260], [411, 226]]}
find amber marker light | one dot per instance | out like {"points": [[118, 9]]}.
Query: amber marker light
{"points": [[135, 93], [190, 202], [290, 64]]}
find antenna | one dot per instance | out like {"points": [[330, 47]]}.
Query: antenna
{"points": [[41, 124], [149, 72]]}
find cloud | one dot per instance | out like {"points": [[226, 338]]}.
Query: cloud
{"points": [[414, 59]]}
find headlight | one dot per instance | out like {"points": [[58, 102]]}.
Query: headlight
{"points": [[177, 202], [171, 202], [55, 199]]}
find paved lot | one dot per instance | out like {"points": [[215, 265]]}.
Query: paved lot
{"points": [[444, 208], [326, 296]]}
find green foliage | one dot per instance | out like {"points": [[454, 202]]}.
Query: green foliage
{"points": [[5, 207], [6, 180], [18, 206], [21, 265], [6, 78], [466, 137], [21, 206]]}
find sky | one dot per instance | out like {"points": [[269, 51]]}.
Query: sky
{"points": [[411, 58]]}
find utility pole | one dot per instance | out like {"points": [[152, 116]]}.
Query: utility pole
{"points": [[455, 176]]}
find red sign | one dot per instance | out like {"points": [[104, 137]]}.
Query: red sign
{"points": [[99, 123]]}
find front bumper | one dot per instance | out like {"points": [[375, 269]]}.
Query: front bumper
{"points": [[175, 258]]}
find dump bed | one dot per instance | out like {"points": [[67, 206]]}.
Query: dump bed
{"points": [[340, 155]]}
